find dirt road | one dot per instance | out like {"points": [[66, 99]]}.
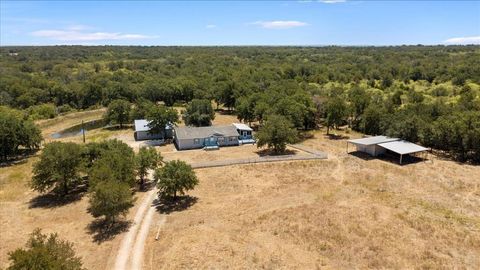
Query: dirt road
{"points": [[135, 237]]}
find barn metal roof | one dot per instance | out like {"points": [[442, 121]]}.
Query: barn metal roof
{"points": [[142, 125], [204, 132], [242, 126], [373, 140], [403, 147]]}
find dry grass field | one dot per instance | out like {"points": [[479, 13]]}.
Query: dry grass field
{"points": [[341, 213]]}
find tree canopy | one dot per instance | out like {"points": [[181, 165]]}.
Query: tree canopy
{"points": [[199, 113], [118, 112], [45, 252], [58, 167], [276, 133], [175, 177]]}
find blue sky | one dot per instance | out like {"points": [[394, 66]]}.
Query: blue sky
{"points": [[327, 22]]}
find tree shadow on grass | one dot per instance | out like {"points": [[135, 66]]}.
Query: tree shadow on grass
{"points": [[21, 158], [147, 186], [167, 206], [103, 231], [337, 137], [53, 199], [270, 152]]}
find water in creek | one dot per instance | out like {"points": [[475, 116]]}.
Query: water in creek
{"points": [[77, 129]]}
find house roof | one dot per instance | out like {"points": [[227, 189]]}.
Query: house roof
{"points": [[142, 125], [373, 140], [403, 147], [204, 132], [241, 126]]}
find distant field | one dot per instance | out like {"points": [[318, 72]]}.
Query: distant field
{"points": [[345, 212]]}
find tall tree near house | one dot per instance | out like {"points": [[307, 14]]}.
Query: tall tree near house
{"points": [[276, 133], [45, 252], [199, 113], [335, 111], [146, 159], [118, 112], [175, 177], [58, 167], [159, 116]]}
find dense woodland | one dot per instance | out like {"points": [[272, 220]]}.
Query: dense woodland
{"points": [[425, 94]]}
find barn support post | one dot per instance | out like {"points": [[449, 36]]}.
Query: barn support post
{"points": [[401, 157]]}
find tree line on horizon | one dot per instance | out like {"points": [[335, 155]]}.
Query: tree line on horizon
{"points": [[426, 94]]}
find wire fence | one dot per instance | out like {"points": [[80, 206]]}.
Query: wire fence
{"points": [[229, 162]]}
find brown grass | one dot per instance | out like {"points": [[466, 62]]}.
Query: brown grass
{"points": [[344, 212]]}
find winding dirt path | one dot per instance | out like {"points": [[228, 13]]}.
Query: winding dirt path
{"points": [[145, 210]]}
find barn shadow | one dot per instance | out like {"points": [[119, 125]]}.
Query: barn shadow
{"points": [[181, 203], [52, 199], [390, 158], [102, 231]]}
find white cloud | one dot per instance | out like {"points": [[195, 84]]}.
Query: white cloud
{"points": [[332, 1], [211, 26], [78, 35], [463, 40], [279, 24], [78, 27]]}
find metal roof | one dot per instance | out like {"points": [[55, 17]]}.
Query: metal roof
{"points": [[142, 125], [373, 140], [403, 147], [204, 132], [242, 126]]}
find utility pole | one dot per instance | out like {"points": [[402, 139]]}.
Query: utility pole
{"points": [[83, 131]]}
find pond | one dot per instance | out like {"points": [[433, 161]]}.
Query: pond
{"points": [[77, 129]]}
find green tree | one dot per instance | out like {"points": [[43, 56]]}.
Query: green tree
{"points": [[112, 160], [159, 116], [371, 121], [359, 100], [276, 133], [175, 177], [16, 132], [110, 199], [118, 112], [58, 167], [335, 110], [199, 113], [146, 159], [45, 252]]}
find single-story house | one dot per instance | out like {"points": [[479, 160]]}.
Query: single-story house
{"points": [[142, 131], [379, 145], [211, 137], [245, 133]]}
